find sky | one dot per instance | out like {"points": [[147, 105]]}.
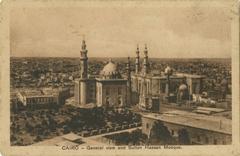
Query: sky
{"points": [[173, 32]]}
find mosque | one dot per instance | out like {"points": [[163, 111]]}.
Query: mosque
{"points": [[143, 87], [151, 86], [109, 89]]}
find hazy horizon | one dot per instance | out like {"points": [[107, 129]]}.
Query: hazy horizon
{"points": [[141, 58], [202, 32]]}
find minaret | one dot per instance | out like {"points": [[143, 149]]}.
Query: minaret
{"points": [[137, 63], [145, 69], [83, 61], [83, 74], [129, 85]]}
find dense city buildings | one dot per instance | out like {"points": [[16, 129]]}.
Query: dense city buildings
{"points": [[120, 101]]}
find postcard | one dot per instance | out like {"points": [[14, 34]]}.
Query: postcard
{"points": [[119, 77]]}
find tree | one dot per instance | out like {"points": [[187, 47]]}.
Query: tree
{"points": [[183, 137], [99, 117], [38, 138], [29, 127], [159, 134], [135, 136]]}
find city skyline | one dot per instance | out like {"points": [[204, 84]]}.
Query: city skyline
{"points": [[169, 33]]}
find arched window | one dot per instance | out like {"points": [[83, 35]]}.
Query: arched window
{"points": [[206, 140], [107, 101], [198, 138], [215, 141], [148, 87], [119, 91], [163, 87], [147, 126], [139, 87], [119, 101]]}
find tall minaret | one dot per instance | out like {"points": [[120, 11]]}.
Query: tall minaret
{"points": [[83, 74], [129, 85], [145, 69], [137, 63], [84, 61]]}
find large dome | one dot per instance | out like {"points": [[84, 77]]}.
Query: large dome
{"points": [[110, 70], [182, 87]]}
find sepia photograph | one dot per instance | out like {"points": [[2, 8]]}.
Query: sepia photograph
{"points": [[137, 76]]}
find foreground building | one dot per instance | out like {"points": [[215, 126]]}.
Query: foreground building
{"points": [[200, 129]]}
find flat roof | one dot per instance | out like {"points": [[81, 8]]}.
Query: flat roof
{"points": [[31, 93], [203, 111], [210, 109], [44, 92], [62, 140], [174, 76], [206, 122], [71, 136], [110, 80], [190, 75], [36, 94]]}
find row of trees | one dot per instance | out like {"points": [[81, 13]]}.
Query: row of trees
{"points": [[128, 138]]}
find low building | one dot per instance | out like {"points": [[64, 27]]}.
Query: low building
{"points": [[43, 97], [201, 129]]}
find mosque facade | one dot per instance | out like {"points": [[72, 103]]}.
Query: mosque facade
{"points": [[143, 86], [150, 87], [109, 89]]}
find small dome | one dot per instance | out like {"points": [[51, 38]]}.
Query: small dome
{"points": [[110, 70], [168, 70], [182, 87]]}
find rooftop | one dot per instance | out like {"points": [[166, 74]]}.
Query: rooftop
{"points": [[67, 139], [110, 80], [211, 123], [190, 75], [44, 92], [173, 76]]}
